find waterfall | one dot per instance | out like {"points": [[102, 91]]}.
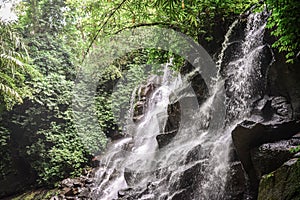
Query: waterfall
{"points": [[194, 164], [244, 75]]}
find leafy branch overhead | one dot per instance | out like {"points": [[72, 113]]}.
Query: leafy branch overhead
{"points": [[284, 23], [103, 18]]}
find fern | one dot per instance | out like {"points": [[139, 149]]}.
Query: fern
{"points": [[6, 90]]}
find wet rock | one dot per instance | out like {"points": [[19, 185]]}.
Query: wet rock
{"points": [[77, 183], [283, 183], [283, 80], [134, 176], [272, 110], [173, 121], [185, 183], [68, 191], [165, 138], [250, 135], [77, 188], [195, 154], [95, 161], [115, 134], [122, 193], [143, 95], [88, 181], [270, 156], [84, 193], [199, 86], [132, 194], [237, 185], [189, 176], [172, 125], [197, 82], [182, 194], [54, 198]]}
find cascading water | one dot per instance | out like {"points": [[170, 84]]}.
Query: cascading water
{"points": [[194, 164], [245, 83]]}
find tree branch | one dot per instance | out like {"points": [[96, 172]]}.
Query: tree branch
{"points": [[146, 24], [99, 30]]}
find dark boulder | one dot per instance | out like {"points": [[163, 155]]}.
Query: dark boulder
{"points": [[197, 82], [172, 125], [272, 110], [283, 183], [143, 95], [249, 135], [76, 188], [165, 138], [195, 154], [270, 156], [283, 80], [236, 185]]}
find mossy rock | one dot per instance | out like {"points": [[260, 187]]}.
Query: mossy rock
{"points": [[283, 183], [37, 195]]}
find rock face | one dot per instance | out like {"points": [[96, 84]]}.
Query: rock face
{"points": [[236, 186], [197, 82], [283, 183], [172, 125], [270, 156], [246, 138], [143, 94]]}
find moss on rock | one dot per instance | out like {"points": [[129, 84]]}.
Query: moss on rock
{"points": [[283, 183], [37, 195]]}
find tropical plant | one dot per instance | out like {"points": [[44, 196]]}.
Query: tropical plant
{"points": [[13, 67], [284, 22]]}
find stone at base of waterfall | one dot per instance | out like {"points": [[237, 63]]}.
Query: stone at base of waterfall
{"points": [[283, 183], [136, 193], [75, 188]]}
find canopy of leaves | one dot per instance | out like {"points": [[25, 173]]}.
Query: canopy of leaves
{"points": [[284, 22]]}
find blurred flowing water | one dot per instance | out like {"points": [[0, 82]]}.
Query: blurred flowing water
{"points": [[199, 151]]}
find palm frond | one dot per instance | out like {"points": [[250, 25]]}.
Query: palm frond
{"points": [[6, 90], [14, 60]]}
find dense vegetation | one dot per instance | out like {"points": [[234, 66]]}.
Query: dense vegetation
{"points": [[44, 49]]}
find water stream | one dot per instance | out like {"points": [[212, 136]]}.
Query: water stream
{"points": [[199, 151]]}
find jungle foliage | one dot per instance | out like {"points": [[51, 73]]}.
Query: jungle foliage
{"points": [[42, 53]]}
